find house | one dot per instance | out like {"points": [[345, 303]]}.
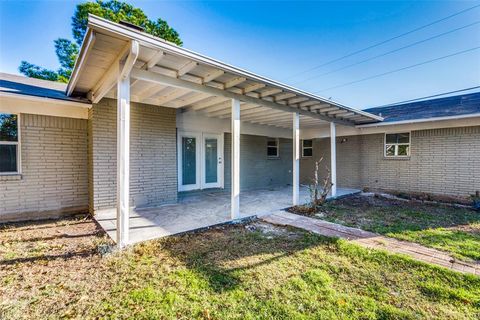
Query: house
{"points": [[154, 139]]}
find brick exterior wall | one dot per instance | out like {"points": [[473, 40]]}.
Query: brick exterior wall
{"points": [[257, 171], [54, 178], [153, 161], [442, 161]]}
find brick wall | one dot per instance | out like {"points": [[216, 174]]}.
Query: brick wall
{"points": [[256, 169], [153, 167], [54, 176], [442, 161]]}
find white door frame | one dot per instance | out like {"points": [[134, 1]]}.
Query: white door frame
{"points": [[200, 160], [198, 138]]}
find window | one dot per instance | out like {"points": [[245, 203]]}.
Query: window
{"points": [[307, 148], [397, 145], [9, 149], [272, 148]]}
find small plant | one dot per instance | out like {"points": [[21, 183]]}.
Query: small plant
{"points": [[319, 190]]}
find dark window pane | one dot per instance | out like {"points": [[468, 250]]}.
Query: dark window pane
{"points": [[403, 150], [391, 138], [189, 169], [8, 158], [307, 152], [272, 151], [272, 143], [390, 150], [8, 127], [307, 143], [403, 138]]}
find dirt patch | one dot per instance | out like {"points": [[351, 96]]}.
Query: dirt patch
{"points": [[54, 257], [429, 197], [269, 230]]}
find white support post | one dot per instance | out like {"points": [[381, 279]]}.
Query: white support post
{"points": [[235, 174], [333, 158], [296, 159], [123, 158]]}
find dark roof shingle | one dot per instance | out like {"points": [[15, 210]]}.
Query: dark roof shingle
{"points": [[459, 105], [10, 83]]}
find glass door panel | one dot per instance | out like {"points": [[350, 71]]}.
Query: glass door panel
{"points": [[211, 160], [189, 160]]}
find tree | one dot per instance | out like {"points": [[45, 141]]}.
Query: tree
{"points": [[112, 10]]}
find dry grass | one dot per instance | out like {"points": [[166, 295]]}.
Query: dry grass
{"points": [[255, 271]]}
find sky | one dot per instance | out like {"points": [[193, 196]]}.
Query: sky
{"points": [[293, 42]]}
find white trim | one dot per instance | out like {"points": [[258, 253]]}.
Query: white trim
{"points": [[45, 99], [17, 143], [200, 169], [235, 159], [333, 159], [381, 124], [296, 159], [396, 156], [198, 138], [220, 161], [192, 121], [323, 130], [123, 158], [90, 37]]}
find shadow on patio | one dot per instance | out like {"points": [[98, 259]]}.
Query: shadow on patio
{"points": [[200, 210]]}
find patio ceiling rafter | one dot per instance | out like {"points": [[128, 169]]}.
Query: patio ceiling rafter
{"points": [[179, 83]]}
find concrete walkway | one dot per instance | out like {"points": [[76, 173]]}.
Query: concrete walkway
{"points": [[372, 240]]}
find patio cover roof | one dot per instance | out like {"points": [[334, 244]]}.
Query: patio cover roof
{"points": [[168, 75]]}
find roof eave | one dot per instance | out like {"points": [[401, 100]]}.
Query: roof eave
{"points": [[99, 24], [87, 43], [433, 119]]}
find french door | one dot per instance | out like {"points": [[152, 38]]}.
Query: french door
{"points": [[200, 160]]}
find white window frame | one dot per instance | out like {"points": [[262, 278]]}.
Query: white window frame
{"points": [[396, 145], [278, 148], [18, 144], [303, 148]]}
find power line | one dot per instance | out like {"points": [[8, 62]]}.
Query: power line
{"points": [[397, 70], [383, 42], [387, 53], [427, 97]]}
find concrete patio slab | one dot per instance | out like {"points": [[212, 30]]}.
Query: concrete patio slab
{"points": [[198, 210]]}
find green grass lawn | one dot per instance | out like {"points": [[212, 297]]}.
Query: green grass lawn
{"points": [[252, 271], [452, 229]]}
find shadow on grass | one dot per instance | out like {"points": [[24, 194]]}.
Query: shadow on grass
{"points": [[452, 229], [220, 256], [48, 257]]}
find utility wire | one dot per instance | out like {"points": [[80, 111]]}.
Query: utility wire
{"points": [[401, 69], [383, 42], [428, 97], [387, 53]]}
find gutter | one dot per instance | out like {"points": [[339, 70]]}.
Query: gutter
{"points": [[382, 124], [45, 99]]}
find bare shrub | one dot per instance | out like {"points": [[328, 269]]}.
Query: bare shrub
{"points": [[319, 189]]}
